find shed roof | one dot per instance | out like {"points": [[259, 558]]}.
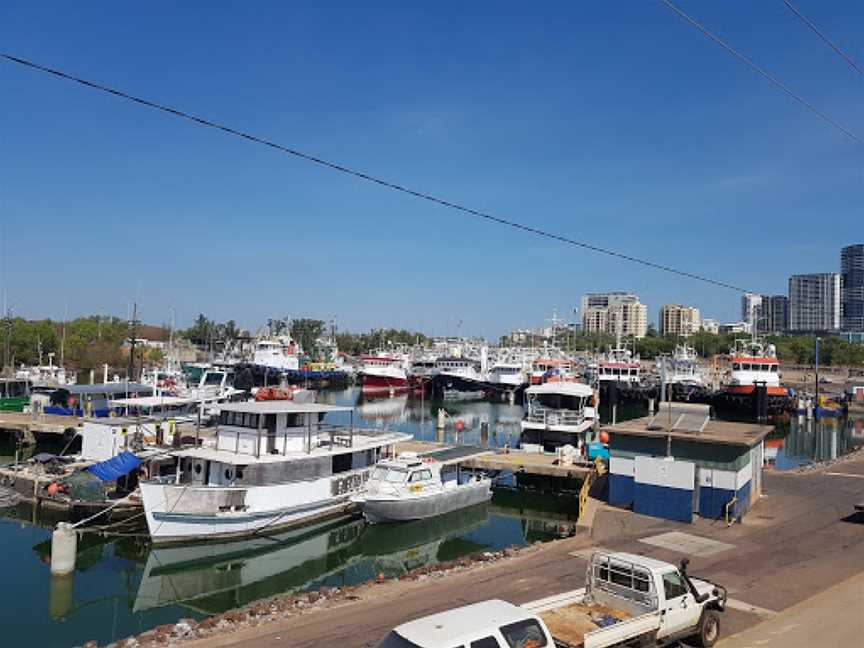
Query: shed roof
{"points": [[109, 388], [722, 432]]}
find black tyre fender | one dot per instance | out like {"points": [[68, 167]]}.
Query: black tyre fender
{"points": [[708, 630]]}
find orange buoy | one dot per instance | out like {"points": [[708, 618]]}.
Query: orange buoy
{"points": [[604, 436], [459, 425], [53, 488]]}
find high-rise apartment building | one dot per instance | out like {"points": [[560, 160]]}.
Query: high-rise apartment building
{"points": [[852, 288], [614, 312], [676, 319], [814, 302], [751, 308], [774, 314]]}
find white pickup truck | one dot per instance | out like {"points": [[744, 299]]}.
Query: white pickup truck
{"points": [[629, 600]]}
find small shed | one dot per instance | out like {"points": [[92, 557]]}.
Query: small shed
{"points": [[680, 462]]}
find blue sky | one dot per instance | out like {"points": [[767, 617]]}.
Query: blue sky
{"points": [[611, 122]]}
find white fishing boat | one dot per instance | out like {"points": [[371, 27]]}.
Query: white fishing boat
{"points": [[507, 375], [411, 488], [682, 369], [558, 413], [274, 464], [619, 365], [276, 353]]}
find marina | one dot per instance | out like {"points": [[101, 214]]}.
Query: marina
{"points": [[431, 326]]}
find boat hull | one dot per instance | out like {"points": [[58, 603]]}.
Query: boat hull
{"points": [[375, 382], [420, 508]]}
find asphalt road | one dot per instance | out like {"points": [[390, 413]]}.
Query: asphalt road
{"points": [[800, 539]]}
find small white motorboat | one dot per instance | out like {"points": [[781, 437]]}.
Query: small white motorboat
{"points": [[413, 488]]}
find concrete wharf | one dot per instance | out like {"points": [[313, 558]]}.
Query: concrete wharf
{"points": [[515, 461]]}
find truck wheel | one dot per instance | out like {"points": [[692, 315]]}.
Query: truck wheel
{"points": [[709, 629]]}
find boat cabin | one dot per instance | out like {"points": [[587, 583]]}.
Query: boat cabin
{"points": [[627, 372], [93, 400], [462, 367], [558, 414], [747, 370]]}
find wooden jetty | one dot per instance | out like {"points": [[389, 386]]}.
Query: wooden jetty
{"points": [[515, 461], [27, 426]]}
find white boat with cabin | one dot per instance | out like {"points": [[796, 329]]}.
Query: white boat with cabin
{"points": [[277, 353], [414, 488], [275, 464], [558, 413]]}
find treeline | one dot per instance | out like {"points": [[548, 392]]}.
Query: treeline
{"points": [[359, 343], [83, 343]]}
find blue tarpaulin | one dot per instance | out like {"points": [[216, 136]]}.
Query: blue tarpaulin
{"points": [[115, 467]]}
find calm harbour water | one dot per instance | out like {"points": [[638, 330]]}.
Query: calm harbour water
{"points": [[121, 586]]}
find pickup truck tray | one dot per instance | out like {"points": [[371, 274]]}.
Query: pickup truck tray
{"points": [[570, 624]]}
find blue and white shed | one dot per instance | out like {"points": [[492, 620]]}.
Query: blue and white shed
{"points": [[680, 463]]}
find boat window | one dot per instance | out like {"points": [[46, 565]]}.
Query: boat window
{"points": [[420, 475], [736, 366], [746, 366], [341, 463], [523, 634], [774, 368], [673, 586]]}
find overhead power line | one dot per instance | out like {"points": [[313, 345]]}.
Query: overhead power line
{"points": [[370, 178], [762, 72], [827, 40]]}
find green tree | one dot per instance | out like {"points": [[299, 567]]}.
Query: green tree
{"points": [[306, 331]]}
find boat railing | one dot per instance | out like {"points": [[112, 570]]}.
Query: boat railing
{"points": [[548, 416]]}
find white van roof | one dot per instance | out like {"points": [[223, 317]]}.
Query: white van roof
{"points": [[468, 622]]}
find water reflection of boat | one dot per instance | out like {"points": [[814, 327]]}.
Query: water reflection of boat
{"points": [[215, 577], [383, 408]]}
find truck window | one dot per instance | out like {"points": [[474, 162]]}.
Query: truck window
{"points": [[393, 640], [486, 642], [524, 634], [673, 586]]}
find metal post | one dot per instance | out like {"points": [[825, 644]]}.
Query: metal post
{"points": [[198, 424], [817, 371], [308, 433], [258, 435], [352, 428]]}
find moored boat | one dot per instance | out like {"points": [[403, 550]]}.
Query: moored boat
{"points": [[275, 464], [384, 372], [413, 488], [558, 413]]}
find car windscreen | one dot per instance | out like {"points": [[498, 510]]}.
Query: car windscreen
{"points": [[394, 640]]}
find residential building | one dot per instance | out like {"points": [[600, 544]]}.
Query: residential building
{"points": [[852, 288], [614, 312], [710, 326], [814, 302], [775, 314], [735, 327], [676, 319], [751, 307]]}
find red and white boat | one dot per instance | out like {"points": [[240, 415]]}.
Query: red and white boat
{"points": [[619, 366], [384, 372], [544, 369], [753, 362]]}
